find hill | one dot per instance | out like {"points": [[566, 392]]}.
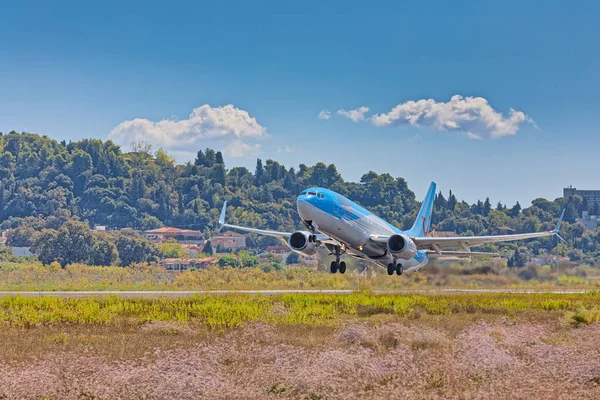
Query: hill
{"points": [[45, 183]]}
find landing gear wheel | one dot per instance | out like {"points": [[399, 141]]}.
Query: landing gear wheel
{"points": [[342, 267], [333, 268], [391, 269], [399, 269]]}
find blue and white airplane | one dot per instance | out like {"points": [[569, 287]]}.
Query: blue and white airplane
{"points": [[345, 228]]}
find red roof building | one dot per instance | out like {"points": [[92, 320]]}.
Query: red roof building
{"points": [[229, 240], [278, 249]]}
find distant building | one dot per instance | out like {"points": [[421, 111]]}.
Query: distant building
{"points": [[229, 241], [21, 252], [182, 264], [435, 233], [193, 250], [184, 236], [592, 196], [310, 261], [281, 250], [590, 222], [503, 230], [548, 259]]}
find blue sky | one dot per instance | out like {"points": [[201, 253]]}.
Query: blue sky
{"points": [[80, 69]]}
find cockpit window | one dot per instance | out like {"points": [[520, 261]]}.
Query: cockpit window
{"points": [[306, 191], [321, 196], [312, 193]]}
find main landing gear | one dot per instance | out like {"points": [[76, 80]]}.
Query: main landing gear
{"points": [[395, 267], [337, 265]]}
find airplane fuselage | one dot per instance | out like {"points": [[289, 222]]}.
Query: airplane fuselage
{"points": [[347, 222]]}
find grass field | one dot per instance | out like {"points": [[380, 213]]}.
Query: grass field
{"points": [[302, 346], [32, 276]]}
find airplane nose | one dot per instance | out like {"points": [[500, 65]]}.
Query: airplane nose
{"points": [[303, 208]]}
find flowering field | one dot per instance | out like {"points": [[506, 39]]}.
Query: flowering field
{"points": [[302, 346]]}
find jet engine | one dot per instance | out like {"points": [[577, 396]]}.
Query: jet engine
{"points": [[303, 242], [401, 246]]}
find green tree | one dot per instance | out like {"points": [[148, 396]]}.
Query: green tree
{"points": [[200, 158], [133, 248], [246, 260], [44, 244], [517, 260], [292, 258], [171, 249], [516, 210], [219, 158], [208, 250], [218, 174], [487, 207], [229, 260], [258, 173], [74, 243], [103, 252], [20, 236]]}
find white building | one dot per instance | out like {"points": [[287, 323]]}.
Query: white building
{"points": [[589, 221], [21, 252]]}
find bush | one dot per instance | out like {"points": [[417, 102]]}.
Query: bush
{"points": [[585, 316], [528, 273], [229, 261]]}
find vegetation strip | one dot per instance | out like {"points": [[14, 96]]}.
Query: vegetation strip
{"points": [[316, 309]]}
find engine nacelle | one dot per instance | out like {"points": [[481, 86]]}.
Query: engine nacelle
{"points": [[303, 242], [402, 246]]}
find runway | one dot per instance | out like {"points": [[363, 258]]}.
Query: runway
{"points": [[189, 293]]}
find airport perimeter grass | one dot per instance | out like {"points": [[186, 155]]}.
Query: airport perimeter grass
{"points": [[32, 276], [302, 346], [234, 310]]}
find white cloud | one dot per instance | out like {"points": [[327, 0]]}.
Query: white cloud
{"points": [[324, 114], [239, 149], [226, 125], [472, 115], [286, 149], [356, 115]]}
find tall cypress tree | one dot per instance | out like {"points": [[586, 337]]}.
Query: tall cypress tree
{"points": [[487, 207], [219, 158], [258, 172]]}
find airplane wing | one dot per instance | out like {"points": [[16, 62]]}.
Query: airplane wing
{"points": [[466, 242], [284, 235]]}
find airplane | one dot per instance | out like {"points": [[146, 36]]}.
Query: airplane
{"points": [[345, 228]]}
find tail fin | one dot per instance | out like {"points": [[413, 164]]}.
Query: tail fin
{"points": [[423, 222]]}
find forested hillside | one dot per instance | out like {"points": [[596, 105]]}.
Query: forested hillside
{"points": [[45, 183]]}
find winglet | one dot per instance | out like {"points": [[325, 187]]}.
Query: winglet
{"points": [[222, 217], [560, 220]]}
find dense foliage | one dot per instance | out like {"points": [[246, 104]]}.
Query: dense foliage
{"points": [[45, 184]]}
